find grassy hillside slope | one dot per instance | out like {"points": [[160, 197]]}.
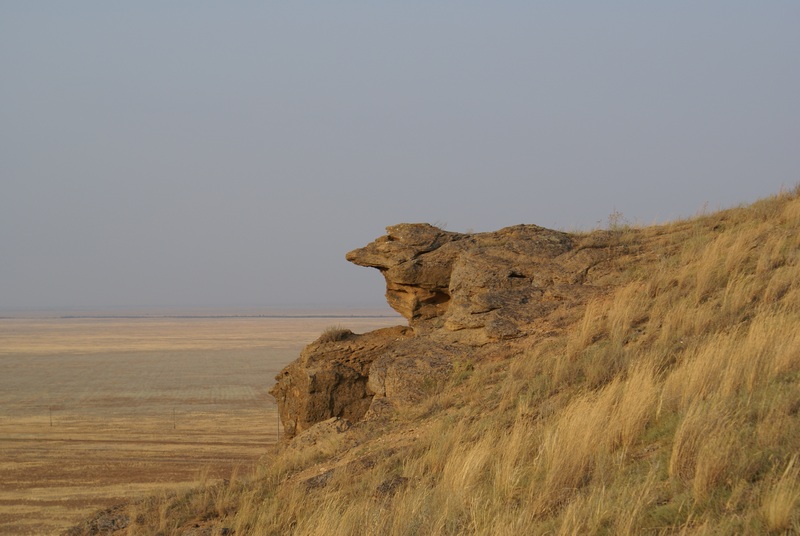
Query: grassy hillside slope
{"points": [[669, 404]]}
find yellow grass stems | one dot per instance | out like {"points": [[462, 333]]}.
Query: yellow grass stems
{"points": [[671, 406]]}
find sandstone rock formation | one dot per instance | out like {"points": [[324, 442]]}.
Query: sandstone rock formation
{"points": [[492, 282], [329, 379], [461, 294], [416, 260]]}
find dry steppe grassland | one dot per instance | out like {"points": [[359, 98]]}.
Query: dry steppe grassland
{"points": [[95, 411], [669, 404]]}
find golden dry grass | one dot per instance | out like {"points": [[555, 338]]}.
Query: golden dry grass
{"points": [[670, 405]]}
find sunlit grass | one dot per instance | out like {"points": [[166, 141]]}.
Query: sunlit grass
{"points": [[670, 405]]}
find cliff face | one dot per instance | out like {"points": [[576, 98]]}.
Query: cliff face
{"points": [[462, 295]]}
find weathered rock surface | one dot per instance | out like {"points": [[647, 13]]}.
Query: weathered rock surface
{"points": [[459, 293], [319, 432], [493, 282], [416, 260], [411, 370], [329, 379]]}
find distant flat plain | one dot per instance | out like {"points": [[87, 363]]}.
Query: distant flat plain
{"points": [[96, 409]]}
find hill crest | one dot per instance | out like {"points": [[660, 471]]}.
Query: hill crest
{"points": [[629, 381]]}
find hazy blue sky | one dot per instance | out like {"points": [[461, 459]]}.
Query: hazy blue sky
{"points": [[230, 153]]}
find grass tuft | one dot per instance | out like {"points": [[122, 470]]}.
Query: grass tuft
{"points": [[334, 334]]}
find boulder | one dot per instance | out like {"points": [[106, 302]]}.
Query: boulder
{"points": [[329, 379]]}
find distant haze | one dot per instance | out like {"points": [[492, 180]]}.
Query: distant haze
{"points": [[176, 154]]}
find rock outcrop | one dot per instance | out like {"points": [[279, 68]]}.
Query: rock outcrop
{"points": [[416, 260], [329, 379], [495, 283], [461, 294]]}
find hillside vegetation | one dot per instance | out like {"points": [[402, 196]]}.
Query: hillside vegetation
{"points": [[669, 404]]}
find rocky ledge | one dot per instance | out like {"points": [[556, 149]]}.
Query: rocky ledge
{"points": [[462, 294]]}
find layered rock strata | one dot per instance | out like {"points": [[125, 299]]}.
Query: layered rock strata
{"points": [[460, 293], [329, 379]]}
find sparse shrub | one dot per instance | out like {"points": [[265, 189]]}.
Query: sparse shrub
{"points": [[334, 334], [616, 221]]}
